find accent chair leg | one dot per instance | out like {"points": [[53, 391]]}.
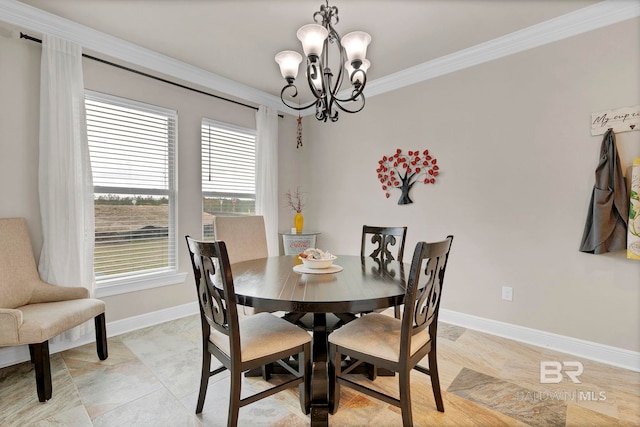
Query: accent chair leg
{"points": [[101, 337], [43, 370]]}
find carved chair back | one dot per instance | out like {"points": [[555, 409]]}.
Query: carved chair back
{"points": [[424, 289], [218, 308], [381, 238]]}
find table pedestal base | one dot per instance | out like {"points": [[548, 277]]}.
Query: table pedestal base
{"points": [[320, 375]]}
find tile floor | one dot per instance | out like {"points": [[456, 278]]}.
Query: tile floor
{"points": [[151, 379]]}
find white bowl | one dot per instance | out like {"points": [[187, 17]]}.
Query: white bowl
{"points": [[318, 263]]}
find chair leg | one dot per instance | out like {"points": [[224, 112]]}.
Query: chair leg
{"points": [[43, 370], [204, 378], [234, 398], [435, 379], [405, 397], [335, 369], [372, 372], [396, 312], [101, 336], [304, 369], [266, 371]]}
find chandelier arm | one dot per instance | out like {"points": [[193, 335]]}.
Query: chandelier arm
{"points": [[345, 109], [359, 85], [355, 97], [343, 58], [321, 110], [319, 71], [359, 88], [294, 107], [327, 114]]}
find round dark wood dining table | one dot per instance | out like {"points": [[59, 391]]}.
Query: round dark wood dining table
{"points": [[364, 284]]}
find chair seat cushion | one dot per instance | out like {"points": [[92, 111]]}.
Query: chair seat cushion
{"points": [[376, 334], [43, 321], [262, 334]]}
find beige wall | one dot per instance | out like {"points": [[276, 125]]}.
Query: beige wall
{"points": [[512, 138]]}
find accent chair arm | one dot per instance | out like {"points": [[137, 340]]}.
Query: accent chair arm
{"points": [[10, 322], [45, 292]]}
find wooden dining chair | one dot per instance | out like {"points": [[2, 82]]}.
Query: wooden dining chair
{"points": [[242, 344], [378, 240], [396, 344], [381, 238]]}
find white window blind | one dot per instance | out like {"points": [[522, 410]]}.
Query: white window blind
{"points": [[228, 171], [132, 149]]}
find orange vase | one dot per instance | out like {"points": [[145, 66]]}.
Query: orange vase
{"points": [[298, 222]]}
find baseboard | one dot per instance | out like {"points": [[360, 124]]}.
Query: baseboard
{"points": [[12, 355], [119, 327], [609, 355]]}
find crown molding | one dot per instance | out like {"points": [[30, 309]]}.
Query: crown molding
{"points": [[581, 21], [586, 19]]}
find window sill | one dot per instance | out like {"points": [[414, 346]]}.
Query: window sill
{"points": [[139, 283]]}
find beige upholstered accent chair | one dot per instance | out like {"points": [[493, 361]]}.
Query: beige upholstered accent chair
{"points": [[242, 344], [32, 311], [245, 236], [396, 344]]}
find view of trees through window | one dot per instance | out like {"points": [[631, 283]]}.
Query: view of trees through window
{"points": [[132, 234]]}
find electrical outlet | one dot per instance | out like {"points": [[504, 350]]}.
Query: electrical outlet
{"points": [[507, 293]]}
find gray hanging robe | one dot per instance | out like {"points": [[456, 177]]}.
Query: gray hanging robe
{"points": [[606, 226]]}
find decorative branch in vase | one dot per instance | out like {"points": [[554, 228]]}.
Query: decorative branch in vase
{"points": [[296, 203]]}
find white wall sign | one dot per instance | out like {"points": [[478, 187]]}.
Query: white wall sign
{"points": [[621, 120]]}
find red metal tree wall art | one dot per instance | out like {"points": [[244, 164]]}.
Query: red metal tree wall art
{"points": [[402, 171]]}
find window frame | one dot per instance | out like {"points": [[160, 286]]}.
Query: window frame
{"points": [[131, 282]]}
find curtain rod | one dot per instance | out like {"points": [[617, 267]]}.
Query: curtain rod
{"points": [[122, 67]]}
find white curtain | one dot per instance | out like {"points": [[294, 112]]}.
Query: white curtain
{"points": [[267, 174], [65, 183]]}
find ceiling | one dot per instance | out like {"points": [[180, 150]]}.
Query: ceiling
{"points": [[238, 39]]}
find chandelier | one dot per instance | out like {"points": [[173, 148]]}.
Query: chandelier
{"points": [[316, 40]]}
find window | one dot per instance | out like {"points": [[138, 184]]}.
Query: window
{"points": [[132, 149], [228, 172]]}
